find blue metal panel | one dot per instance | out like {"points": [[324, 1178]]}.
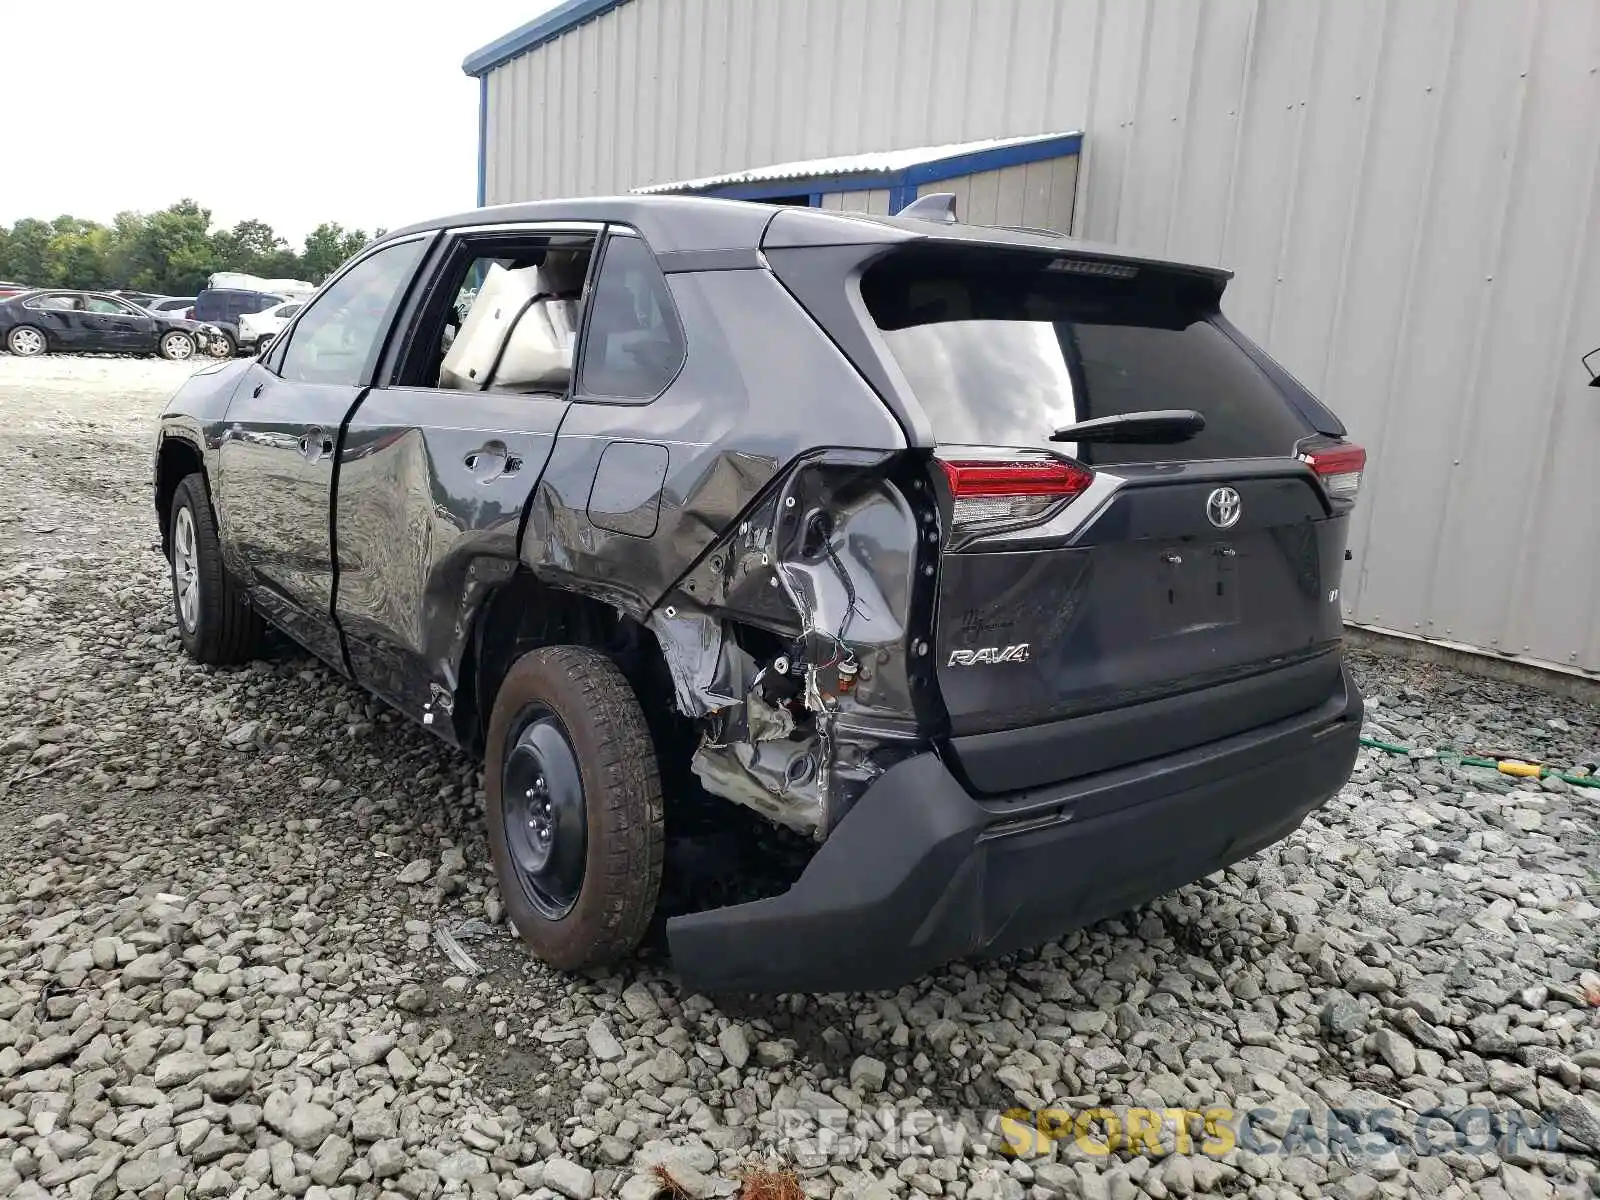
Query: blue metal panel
{"points": [[766, 189], [992, 160], [543, 29], [902, 184], [483, 138]]}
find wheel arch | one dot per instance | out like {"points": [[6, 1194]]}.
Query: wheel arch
{"points": [[177, 457], [525, 613]]}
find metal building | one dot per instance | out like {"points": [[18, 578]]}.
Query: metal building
{"points": [[1406, 190], [1030, 180]]}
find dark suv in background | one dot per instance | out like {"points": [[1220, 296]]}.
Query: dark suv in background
{"points": [[999, 568], [223, 307]]}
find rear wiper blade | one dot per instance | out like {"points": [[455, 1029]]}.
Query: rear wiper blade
{"points": [[1157, 425]]}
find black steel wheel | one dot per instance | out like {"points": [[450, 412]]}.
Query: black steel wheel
{"points": [[574, 807], [544, 817]]}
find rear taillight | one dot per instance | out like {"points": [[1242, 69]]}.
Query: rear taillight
{"points": [[1339, 468], [990, 492]]}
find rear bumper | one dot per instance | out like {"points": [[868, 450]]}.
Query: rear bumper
{"points": [[919, 873]]}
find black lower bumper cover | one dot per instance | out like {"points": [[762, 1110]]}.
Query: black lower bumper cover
{"points": [[919, 873]]}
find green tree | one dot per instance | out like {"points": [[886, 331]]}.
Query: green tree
{"points": [[29, 255], [172, 251], [79, 255], [248, 246], [328, 246]]}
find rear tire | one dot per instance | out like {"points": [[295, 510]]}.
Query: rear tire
{"points": [[579, 870], [215, 624], [232, 344], [27, 342]]}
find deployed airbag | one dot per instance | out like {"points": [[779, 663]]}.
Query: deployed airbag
{"points": [[518, 335]]}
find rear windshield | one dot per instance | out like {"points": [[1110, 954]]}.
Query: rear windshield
{"points": [[1003, 349]]}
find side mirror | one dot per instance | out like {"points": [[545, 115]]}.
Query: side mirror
{"points": [[1594, 376]]}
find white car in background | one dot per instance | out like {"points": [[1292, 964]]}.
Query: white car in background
{"points": [[256, 330]]}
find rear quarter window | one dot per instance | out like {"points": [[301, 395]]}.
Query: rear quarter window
{"points": [[1000, 351], [634, 344]]}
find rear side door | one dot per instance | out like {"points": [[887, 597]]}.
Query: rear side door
{"points": [[59, 315], [435, 471], [277, 455]]}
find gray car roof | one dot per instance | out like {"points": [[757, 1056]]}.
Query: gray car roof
{"points": [[674, 224]]}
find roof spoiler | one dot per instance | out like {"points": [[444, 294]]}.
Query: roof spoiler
{"points": [[939, 207]]}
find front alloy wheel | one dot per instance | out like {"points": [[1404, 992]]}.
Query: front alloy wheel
{"points": [[215, 624], [177, 346], [186, 570]]}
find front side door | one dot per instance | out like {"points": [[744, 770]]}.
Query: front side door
{"points": [[278, 449], [435, 469], [117, 326]]}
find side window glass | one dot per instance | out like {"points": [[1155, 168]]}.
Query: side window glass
{"points": [[288, 310], [635, 343], [101, 304], [504, 316], [337, 336]]}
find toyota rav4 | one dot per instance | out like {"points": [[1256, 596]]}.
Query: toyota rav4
{"points": [[998, 566]]}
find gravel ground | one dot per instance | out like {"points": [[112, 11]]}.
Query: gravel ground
{"points": [[219, 975]]}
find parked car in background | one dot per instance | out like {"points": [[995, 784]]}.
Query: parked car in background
{"points": [[169, 306], [257, 328], [999, 568], [11, 288], [43, 322], [142, 299], [223, 307]]}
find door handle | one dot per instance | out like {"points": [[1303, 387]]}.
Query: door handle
{"points": [[256, 392], [315, 444], [490, 461]]}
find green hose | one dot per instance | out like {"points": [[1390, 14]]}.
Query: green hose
{"points": [[1468, 761]]}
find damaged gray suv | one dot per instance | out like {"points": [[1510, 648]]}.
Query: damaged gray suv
{"points": [[997, 568]]}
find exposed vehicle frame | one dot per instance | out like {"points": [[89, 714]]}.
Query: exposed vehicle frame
{"points": [[740, 577]]}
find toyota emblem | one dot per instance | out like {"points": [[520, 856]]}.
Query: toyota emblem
{"points": [[1223, 507]]}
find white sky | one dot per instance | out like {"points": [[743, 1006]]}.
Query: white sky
{"points": [[291, 111]]}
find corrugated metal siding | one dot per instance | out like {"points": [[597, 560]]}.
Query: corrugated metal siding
{"points": [[874, 200], [1405, 188], [1037, 194]]}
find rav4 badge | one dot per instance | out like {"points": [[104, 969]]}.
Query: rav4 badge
{"points": [[989, 655]]}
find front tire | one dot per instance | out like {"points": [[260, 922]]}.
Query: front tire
{"points": [[574, 808], [176, 346], [27, 342], [215, 624], [230, 344]]}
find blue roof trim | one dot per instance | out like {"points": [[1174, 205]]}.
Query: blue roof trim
{"points": [[993, 160], [483, 138], [561, 18], [767, 189], [903, 185]]}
